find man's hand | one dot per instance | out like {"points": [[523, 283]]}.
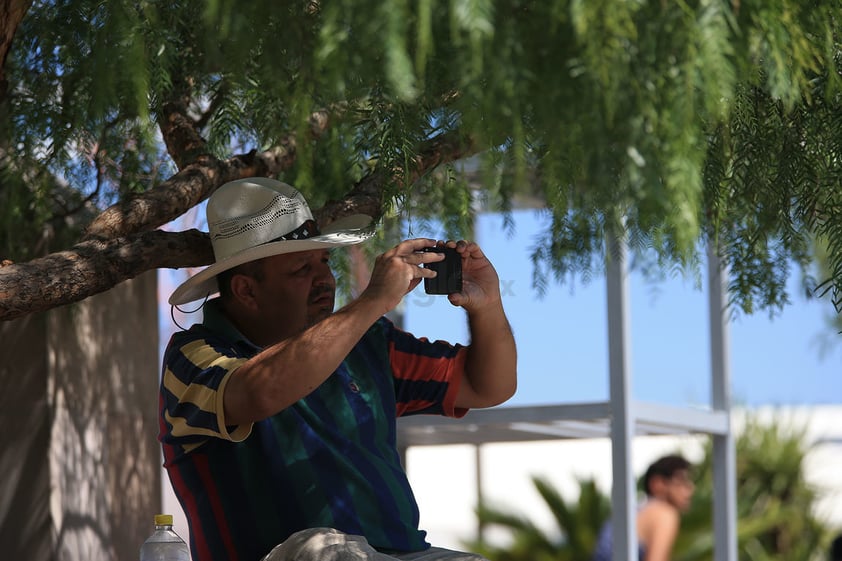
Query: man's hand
{"points": [[398, 271], [480, 283]]}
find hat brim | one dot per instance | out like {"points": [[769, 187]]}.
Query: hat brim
{"points": [[346, 231]]}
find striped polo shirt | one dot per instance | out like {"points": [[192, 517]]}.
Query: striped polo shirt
{"points": [[329, 460]]}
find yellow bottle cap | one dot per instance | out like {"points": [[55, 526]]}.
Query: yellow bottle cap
{"points": [[163, 519]]}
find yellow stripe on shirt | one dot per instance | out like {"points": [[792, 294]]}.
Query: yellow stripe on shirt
{"points": [[203, 356]]}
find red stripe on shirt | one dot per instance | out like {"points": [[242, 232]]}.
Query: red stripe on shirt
{"points": [[198, 540], [203, 469], [412, 406], [408, 366], [198, 537]]}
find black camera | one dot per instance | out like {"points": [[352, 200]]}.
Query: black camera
{"points": [[448, 272]]}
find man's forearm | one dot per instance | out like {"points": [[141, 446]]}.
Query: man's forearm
{"points": [[290, 370]]}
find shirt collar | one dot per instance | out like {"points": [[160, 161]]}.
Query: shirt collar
{"points": [[216, 320]]}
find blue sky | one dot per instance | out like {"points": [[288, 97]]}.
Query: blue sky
{"points": [[562, 336]]}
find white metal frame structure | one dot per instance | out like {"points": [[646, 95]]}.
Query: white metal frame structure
{"points": [[621, 418]]}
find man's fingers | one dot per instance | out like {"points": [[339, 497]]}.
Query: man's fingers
{"points": [[408, 247]]}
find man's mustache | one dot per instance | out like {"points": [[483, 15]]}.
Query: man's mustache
{"points": [[321, 291]]}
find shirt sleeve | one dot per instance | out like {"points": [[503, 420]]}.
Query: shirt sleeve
{"points": [[427, 374], [192, 386]]}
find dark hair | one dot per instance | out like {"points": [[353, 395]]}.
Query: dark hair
{"points": [[664, 467], [836, 549], [252, 269]]}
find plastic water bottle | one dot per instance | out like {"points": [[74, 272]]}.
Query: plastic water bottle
{"points": [[164, 544]]}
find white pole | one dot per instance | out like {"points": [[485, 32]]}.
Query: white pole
{"points": [[724, 452], [623, 499]]}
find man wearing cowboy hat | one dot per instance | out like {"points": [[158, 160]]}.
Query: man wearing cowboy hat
{"points": [[278, 413]]}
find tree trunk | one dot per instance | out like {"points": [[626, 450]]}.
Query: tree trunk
{"points": [[11, 14]]}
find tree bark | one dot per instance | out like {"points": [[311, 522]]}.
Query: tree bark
{"points": [[11, 14], [95, 266]]}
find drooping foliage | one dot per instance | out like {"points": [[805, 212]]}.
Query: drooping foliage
{"points": [[690, 122]]}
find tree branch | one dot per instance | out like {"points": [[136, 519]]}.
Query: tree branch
{"points": [[11, 14], [161, 204], [367, 195], [444, 148], [180, 132], [103, 261], [94, 266], [196, 181]]}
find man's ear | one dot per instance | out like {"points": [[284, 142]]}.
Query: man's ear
{"points": [[243, 291], [657, 485]]}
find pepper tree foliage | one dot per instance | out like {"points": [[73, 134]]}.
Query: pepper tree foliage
{"points": [[677, 124]]}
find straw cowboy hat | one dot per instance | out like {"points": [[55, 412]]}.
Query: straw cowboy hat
{"points": [[253, 218]]}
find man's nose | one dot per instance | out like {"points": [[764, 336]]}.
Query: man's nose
{"points": [[324, 275]]}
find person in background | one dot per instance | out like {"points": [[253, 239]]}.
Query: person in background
{"points": [[669, 492], [278, 413]]}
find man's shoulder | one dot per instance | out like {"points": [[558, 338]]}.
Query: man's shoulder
{"points": [[199, 335], [659, 505], [196, 332], [659, 514]]}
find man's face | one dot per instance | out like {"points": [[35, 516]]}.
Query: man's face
{"points": [[297, 291], [679, 490]]}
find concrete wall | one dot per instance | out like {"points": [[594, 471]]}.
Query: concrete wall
{"points": [[25, 418], [79, 456]]}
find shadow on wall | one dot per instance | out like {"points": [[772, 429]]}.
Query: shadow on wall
{"points": [[79, 454]]}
